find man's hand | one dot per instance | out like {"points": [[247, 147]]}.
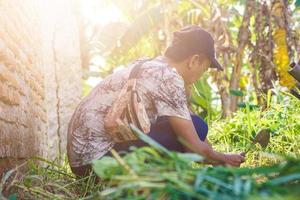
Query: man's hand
{"points": [[185, 129], [233, 159]]}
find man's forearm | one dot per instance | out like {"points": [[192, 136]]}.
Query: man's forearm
{"points": [[216, 158], [207, 142], [204, 149], [186, 131]]}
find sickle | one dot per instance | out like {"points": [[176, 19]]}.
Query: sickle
{"points": [[262, 138]]}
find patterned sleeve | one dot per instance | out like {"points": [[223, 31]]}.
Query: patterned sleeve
{"points": [[170, 98]]}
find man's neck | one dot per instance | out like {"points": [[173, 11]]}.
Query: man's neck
{"points": [[178, 66]]}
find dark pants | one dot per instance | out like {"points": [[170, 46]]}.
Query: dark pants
{"points": [[161, 132]]}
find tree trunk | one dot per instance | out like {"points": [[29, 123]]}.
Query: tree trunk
{"points": [[223, 90], [243, 38], [281, 36], [264, 49]]}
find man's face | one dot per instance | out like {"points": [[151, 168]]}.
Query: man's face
{"points": [[196, 67]]}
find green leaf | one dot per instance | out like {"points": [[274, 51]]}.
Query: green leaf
{"points": [[190, 157], [247, 186], [106, 166], [234, 92], [297, 3], [12, 197], [244, 105], [285, 179], [202, 95], [237, 186], [219, 182]]}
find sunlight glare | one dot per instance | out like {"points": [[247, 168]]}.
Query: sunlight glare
{"points": [[100, 12]]}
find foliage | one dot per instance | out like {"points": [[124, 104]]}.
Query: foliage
{"points": [[157, 173], [281, 58], [164, 177], [281, 117], [250, 44], [201, 97], [47, 180]]}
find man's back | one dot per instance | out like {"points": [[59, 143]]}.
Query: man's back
{"points": [[161, 89]]}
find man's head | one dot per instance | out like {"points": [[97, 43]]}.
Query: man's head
{"points": [[192, 50]]}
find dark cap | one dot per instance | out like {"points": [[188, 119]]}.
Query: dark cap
{"points": [[193, 39]]}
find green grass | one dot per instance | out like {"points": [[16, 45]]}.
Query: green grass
{"points": [[156, 173], [281, 117], [47, 180]]}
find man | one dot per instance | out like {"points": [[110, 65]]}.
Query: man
{"points": [[161, 84]]}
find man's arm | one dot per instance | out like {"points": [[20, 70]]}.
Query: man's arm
{"points": [[186, 130], [207, 142]]}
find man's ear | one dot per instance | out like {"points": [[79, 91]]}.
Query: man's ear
{"points": [[194, 61]]}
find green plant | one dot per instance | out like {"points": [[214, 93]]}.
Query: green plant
{"points": [[157, 173], [281, 118], [48, 180], [202, 98]]}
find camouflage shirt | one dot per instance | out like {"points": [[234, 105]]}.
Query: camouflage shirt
{"points": [[163, 94]]}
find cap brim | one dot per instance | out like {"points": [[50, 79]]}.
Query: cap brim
{"points": [[216, 64]]}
